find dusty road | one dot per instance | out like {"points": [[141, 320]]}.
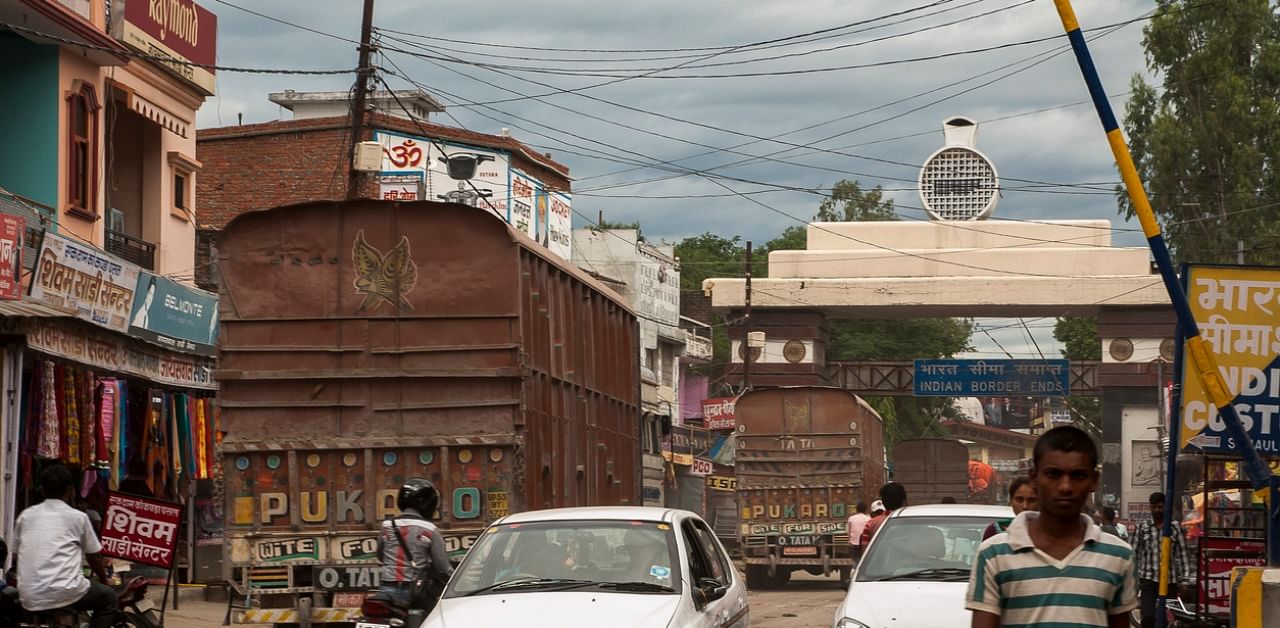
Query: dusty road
{"points": [[808, 602]]}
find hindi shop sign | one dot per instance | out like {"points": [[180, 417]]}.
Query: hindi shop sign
{"points": [[12, 230], [174, 316], [992, 378], [1237, 309], [75, 276], [717, 413], [141, 530]]}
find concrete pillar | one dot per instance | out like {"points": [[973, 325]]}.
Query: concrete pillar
{"points": [[794, 352], [1255, 597]]}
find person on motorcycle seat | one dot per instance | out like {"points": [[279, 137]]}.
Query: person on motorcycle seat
{"points": [[426, 556], [51, 541]]}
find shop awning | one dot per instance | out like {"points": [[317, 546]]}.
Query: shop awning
{"points": [[32, 309]]}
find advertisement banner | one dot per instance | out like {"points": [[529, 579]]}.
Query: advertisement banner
{"points": [[174, 316], [176, 29], [717, 413], [12, 230], [140, 530], [121, 355], [404, 154], [1238, 311], [400, 187], [75, 276], [523, 197], [560, 226]]}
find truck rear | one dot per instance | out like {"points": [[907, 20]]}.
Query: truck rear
{"points": [[806, 456], [367, 342], [932, 469]]}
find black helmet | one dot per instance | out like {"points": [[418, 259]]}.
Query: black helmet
{"points": [[420, 495]]}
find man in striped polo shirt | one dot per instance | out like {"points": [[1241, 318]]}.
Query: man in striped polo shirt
{"points": [[1055, 567]]}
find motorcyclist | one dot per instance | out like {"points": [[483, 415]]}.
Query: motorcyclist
{"points": [[51, 540], [425, 556]]}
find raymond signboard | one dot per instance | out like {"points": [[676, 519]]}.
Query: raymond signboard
{"points": [[1238, 311], [177, 29], [141, 530], [174, 316], [12, 228]]}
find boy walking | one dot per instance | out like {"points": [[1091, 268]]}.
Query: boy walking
{"points": [[1054, 566]]}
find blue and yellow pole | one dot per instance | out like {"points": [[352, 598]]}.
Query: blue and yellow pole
{"points": [[1203, 363]]}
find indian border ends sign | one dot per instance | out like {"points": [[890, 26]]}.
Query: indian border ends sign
{"points": [[992, 378]]}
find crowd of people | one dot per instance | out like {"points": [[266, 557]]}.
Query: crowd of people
{"points": [[1057, 561]]}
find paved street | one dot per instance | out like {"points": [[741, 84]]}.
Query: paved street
{"points": [[807, 601]]}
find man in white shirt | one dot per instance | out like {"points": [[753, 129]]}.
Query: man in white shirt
{"points": [[52, 541], [857, 523]]}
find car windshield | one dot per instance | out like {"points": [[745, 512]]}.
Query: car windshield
{"points": [[629, 556], [923, 548]]}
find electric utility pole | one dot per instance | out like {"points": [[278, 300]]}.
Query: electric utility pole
{"points": [[746, 336], [363, 71]]}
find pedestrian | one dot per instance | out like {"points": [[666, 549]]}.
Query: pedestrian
{"points": [[1111, 526], [857, 522], [1146, 548], [892, 497], [1054, 566], [1022, 496]]}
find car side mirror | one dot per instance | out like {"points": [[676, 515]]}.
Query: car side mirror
{"points": [[708, 590]]}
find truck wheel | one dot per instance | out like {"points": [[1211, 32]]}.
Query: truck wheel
{"points": [[782, 578], [758, 577]]}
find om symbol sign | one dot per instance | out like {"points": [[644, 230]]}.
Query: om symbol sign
{"points": [[407, 154]]}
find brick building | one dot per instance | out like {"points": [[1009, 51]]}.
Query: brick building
{"points": [[258, 166]]}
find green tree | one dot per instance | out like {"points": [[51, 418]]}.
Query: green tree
{"points": [[850, 203], [1206, 143], [1080, 342], [706, 256]]}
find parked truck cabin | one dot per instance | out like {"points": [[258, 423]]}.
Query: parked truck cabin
{"points": [[366, 342], [806, 456]]}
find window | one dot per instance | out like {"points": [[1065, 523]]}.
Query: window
{"points": [[716, 561], [180, 191], [82, 150], [184, 172]]}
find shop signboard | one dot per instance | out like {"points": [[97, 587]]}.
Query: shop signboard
{"points": [[12, 228], [174, 316], [173, 29], [717, 413], [1216, 581], [400, 187], [99, 287], [701, 466], [1237, 309], [722, 483], [140, 530], [121, 355]]}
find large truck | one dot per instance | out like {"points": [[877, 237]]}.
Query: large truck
{"points": [[367, 342], [932, 469], [806, 456]]}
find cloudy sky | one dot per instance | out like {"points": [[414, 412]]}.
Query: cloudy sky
{"points": [[679, 107]]}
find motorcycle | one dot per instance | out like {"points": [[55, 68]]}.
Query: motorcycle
{"points": [[136, 610], [380, 611]]}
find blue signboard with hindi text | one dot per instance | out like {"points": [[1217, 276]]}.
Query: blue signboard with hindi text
{"points": [[992, 378], [175, 316]]}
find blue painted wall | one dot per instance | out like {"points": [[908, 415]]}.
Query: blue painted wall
{"points": [[29, 119]]}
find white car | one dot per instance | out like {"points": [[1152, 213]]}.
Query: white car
{"points": [[621, 567], [916, 570]]}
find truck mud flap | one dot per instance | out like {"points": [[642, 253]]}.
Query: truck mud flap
{"points": [[290, 615]]}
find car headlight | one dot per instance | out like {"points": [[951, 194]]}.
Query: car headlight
{"points": [[850, 623]]}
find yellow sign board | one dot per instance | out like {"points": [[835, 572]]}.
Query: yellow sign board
{"points": [[1238, 312]]}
